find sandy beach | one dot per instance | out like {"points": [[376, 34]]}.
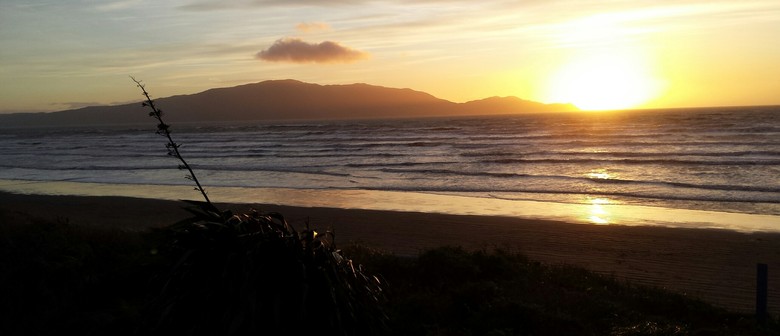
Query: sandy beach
{"points": [[718, 266]]}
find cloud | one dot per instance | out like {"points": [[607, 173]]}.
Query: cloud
{"points": [[309, 27], [76, 105], [214, 5], [297, 51], [209, 5], [118, 5]]}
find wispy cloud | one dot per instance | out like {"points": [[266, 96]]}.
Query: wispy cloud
{"points": [[309, 27], [621, 25], [209, 5], [117, 5], [298, 51], [76, 105]]}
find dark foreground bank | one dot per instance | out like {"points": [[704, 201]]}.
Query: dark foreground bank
{"points": [[88, 265]]}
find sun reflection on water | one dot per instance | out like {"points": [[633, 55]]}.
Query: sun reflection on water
{"points": [[601, 174], [597, 213]]}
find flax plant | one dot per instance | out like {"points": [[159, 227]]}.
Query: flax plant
{"points": [[164, 130], [248, 274]]}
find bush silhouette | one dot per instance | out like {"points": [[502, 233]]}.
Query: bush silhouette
{"points": [[242, 274]]}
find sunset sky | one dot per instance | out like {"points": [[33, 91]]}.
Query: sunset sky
{"points": [[63, 54]]}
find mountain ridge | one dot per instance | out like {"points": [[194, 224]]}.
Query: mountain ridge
{"points": [[286, 99]]}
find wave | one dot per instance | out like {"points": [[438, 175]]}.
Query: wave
{"points": [[492, 175], [396, 164], [424, 174], [767, 162], [205, 168], [770, 153], [771, 199], [90, 168], [752, 157]]}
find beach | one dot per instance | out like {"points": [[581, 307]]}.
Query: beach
{"points": [[716, 265]]}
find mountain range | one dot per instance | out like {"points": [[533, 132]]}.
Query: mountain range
{"points": [[285, 100]]}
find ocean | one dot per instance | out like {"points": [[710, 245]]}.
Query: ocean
{"points": [[708, 161]]}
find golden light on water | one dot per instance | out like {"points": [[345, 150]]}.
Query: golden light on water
{"points": [[601, 174], [597, 213]]}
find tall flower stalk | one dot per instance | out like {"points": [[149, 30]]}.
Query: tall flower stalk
{"points": [[164, 129]]}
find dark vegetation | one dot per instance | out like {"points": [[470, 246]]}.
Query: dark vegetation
{"points": [[63, 278]]}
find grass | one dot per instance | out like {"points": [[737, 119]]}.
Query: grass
{"points": [[63, 278], [451, 291]]}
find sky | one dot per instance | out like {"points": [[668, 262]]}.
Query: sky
{"points": [[63, 54]]}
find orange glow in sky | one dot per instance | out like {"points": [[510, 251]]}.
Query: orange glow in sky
{"points": [[597, 54], [604, 82]]}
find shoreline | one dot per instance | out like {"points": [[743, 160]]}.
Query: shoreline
{"points": [[713, 264], [600, 211]]}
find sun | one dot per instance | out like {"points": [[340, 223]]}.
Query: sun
{"points": [[607, 81]]}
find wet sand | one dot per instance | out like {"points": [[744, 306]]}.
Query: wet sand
{"points": [[718, 266]]}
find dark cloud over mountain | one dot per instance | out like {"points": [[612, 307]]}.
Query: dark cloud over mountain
{"points": [[298, 51]]}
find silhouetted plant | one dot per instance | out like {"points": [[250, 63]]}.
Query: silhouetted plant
{"points": [[255, 274], [164, 129]]}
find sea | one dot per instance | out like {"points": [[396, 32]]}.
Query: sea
{"points": [[705, 167]]}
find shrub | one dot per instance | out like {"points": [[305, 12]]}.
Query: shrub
{"points": [[255, 274]]}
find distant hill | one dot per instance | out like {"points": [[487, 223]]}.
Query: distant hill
{"points": [[286, 100]]}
